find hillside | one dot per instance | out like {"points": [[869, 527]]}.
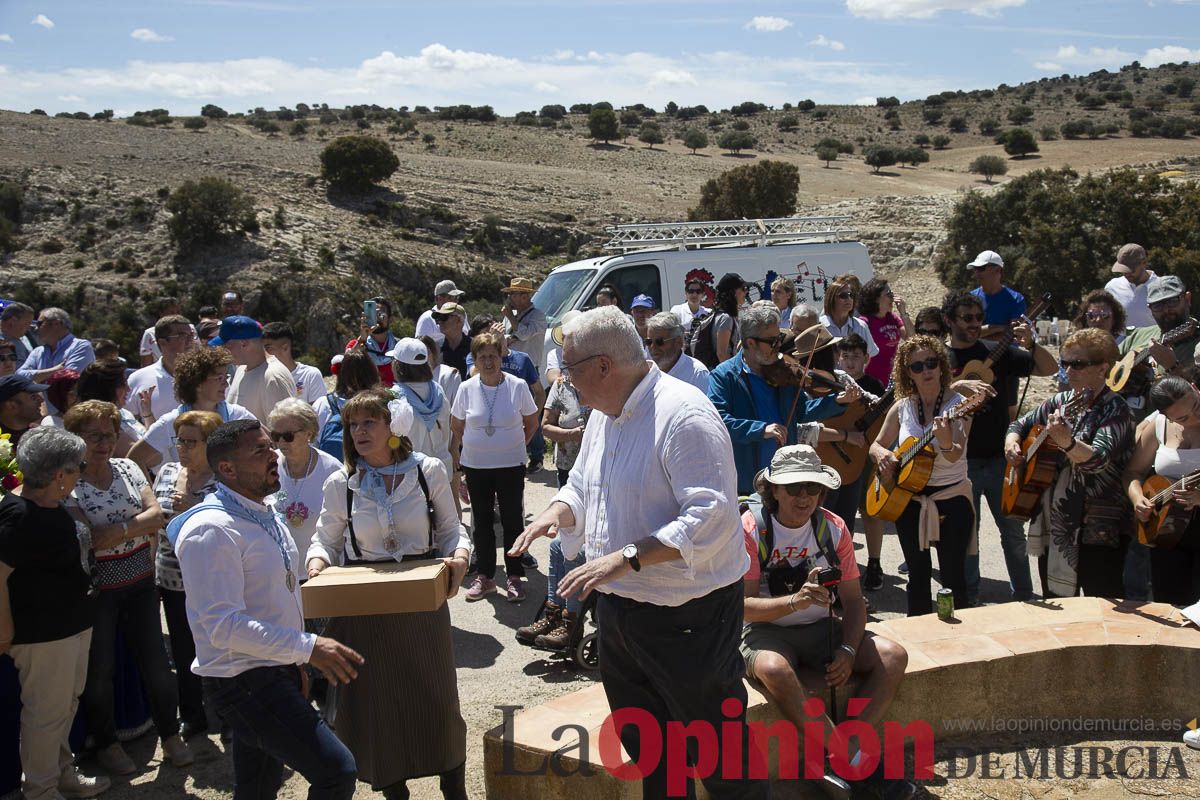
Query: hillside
{"points": [[483, 201]]}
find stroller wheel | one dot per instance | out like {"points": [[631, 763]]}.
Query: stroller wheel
{"points": [[587, 652]]}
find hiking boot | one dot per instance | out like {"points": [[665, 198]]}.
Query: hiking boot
{"points": [[533, 468], [873, 576], [560, 637], [528, 633], [177, 752], [115, 761], [480, 587], [514, 590], [73, 784]]}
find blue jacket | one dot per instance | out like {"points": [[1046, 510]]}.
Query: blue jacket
{"points": [[729, 389]]}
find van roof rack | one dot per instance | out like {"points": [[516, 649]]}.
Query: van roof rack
{"points": [[642, 235]]}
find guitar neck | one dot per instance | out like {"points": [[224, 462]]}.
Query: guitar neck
{"points": [[925, 439], [1166, 494], [1172, 338]]}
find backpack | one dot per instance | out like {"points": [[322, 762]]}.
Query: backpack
{"points": [[766, 533], [702, 342], [330, 440]]}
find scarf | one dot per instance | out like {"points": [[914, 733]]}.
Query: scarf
{"points": [[428, 411], [372, 483]]}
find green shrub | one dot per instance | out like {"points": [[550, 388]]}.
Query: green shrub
{"points": [[299, 128], [213, 112], [988, 167], [922, 140], [989, 127], [195, 123], [354, 163], [1019, 142], [941, 141], [827, 154], [603, 124], [51, 246], [1020, 115], [878, 156], [695, 139], [737, 141], [205, 210], [12, 199], [753, 191], [651, 134], [912, 156]]}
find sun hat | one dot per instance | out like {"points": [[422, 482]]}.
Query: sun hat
{"points": [[799, 463]]}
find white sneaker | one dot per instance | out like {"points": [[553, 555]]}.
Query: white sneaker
{"points": [[1192, 738], [72, 784]]}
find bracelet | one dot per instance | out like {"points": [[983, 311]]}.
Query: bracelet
{"points": [[792, 601], [845, 436], [1071, 446], [946, 449], [853, 653]]}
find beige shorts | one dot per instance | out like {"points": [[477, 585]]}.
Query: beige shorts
{"points": [[802, 645]]}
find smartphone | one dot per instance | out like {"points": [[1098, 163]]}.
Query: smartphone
{"points": [[371, 312]]}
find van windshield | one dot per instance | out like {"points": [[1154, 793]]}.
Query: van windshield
{"points": [[561, 292]]}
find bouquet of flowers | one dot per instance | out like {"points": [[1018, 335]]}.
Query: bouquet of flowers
{"points": [[10, 475]]}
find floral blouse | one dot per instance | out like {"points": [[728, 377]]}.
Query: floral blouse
{"points": [[167, 574], [132, 560]]}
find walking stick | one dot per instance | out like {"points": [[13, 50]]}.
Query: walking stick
{"points": [[833, 707]]}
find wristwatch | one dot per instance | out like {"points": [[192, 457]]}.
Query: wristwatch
{"points": [[630, 552]]}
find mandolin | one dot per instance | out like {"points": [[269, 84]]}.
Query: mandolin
{"points": [[1025, 484], [865, 418], [1170, 520], [983, 369], [1135, 361], [887, 499]]}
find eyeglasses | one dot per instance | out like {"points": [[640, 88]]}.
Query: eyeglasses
{"points": [[1170, 301], [810, 489], [99, 438], [185, 444], [658, 341], [1098, 315], [934, 332], [565, 368], [978, 317], [9, 357], [283, 436], [1077, 363], [917, 367], [775, 342]]}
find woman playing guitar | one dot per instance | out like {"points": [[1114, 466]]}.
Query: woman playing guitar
{"points": [[1082, 531], [1169, 441], [921, 378]]}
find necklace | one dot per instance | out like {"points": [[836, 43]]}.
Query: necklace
{"points": [[269, 523], [937, 406], [297, 512], [490, 429]]}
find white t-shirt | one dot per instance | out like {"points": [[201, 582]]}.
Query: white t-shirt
{"points": [[300, 500], [427, 326], [161, 434], [149, 345], [156, 377], [260, 388], [449, 379], [554, 359], [685, 314], [310, 384], [689, 370], [1133, 299], [510, 402]]}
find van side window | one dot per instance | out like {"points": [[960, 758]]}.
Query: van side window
{"points": [[634, 280]]}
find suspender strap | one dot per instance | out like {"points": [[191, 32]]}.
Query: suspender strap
{"points": [[350, 521], [350, 512]]}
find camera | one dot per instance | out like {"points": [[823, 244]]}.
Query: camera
{"points": [[786, 579], [829, 576]]}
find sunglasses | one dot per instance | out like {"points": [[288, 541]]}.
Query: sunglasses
{"points": [[844, 295], [917, 367], [283, 436], [658, 341], [810, 489], [1096, 315], [970, 317], [775, 342], [1077, 363], [695, 291], [934, 332], [9, 357]]}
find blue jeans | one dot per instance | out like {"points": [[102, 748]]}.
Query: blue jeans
{"points": [[274, 725], [987, 480], [537, 446], [560, 566]]}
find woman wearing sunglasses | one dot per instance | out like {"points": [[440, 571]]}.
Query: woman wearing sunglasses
{"points": [[1098, 309], [840, 300], [942, 515], [302, 467], [8, 357], [887, 317], [1081, 535], [179, 485]]}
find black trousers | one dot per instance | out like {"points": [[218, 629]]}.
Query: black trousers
{"points": [[1101, 571], [957, 523], [1175, 573], [679, 663], [487, 486], [183, 653]]}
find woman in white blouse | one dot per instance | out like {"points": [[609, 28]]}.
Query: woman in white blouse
{"points": [[292, 426], [841, 299], [401, 719]]}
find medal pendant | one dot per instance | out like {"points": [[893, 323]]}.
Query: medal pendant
{"points": [[490, 430], [290, 581]]}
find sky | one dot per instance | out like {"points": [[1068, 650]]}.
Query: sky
{"points": [[514, 55]]}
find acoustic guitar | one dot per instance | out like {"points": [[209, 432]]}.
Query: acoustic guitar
{"points": [[982, 369], [1025, 484], [1170, 520], [865, 418], [887, 499], [1134, 362]]}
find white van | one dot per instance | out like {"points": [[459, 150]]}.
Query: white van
{"points": [[812, 251]]}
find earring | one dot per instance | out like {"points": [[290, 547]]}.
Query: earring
{"points": [[62, 488], [393, 442]]}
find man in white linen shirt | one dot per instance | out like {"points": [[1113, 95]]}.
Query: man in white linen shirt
{"points": [[175, 336], [669, 567], [664, 342], [243, 604]]}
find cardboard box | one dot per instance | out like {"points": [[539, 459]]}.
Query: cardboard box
{"points": [[383, 588]]}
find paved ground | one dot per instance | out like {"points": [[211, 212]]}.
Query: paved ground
{"points": [[493, 670]]}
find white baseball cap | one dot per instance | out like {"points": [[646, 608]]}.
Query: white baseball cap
{"points": [[985, 259], [410, 351]]}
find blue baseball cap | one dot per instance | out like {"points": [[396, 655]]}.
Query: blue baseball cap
{"points": [[642, 301], [13, 385], [235, 328]]}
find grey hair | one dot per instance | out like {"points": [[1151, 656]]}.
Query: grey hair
{"points": [[14, 311], [806, 309], [297, 409], [606, 331], [58, 315], [757, 317], [788, 285], [666, 321], [45, 450]]}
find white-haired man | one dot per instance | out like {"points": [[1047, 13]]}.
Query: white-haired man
{"points": [[664, 342], [59, 348], [669, 567]]}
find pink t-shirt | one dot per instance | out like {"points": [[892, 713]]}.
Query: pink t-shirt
{"points": [[886, 331]]}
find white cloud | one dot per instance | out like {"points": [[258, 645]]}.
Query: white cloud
{"points": [[43, 20], [1169, 54], [147, 35], [863, 101], [70, 98], [1048, 66], [563, 55], [832, 44], [1069, 56], [768, 24], [544, 87], [4, 37], [923, 9]]}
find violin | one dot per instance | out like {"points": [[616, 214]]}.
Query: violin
{"points": [[787, 370]]}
